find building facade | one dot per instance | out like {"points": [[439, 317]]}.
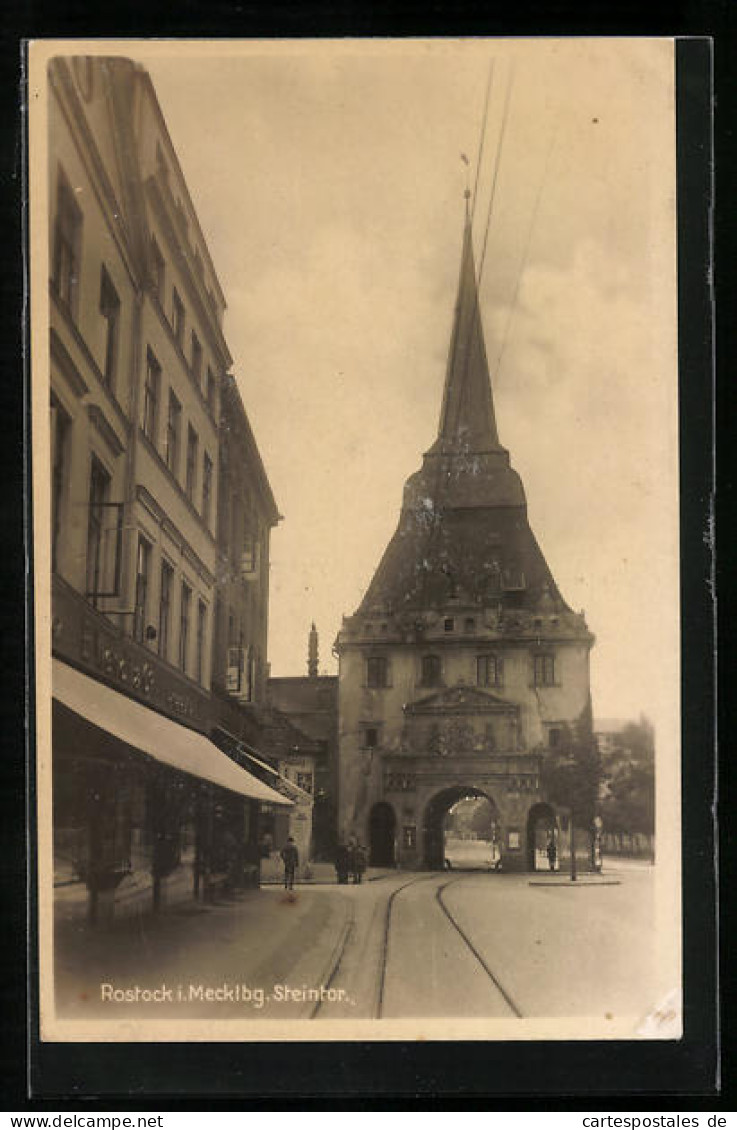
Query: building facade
{"points": [[142, 797], [463, 663]]}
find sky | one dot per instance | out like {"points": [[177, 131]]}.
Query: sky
{"points": [[329, 183]]}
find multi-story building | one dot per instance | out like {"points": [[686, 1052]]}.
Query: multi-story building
{"points": [[463, 663], [138, 359]]}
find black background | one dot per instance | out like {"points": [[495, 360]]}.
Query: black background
{"points": [[588, 1075]]}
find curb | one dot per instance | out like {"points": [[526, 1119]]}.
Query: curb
{"points": [[576, 883]]}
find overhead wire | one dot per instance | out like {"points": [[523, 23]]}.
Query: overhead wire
{"points": [[528, 243]]}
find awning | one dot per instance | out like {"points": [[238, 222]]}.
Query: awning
{"points": [[281, 782], [152, 733]]}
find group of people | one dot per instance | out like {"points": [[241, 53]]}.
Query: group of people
{"points": [[350, 860]]}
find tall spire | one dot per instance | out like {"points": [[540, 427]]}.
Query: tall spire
{"points": [[467, 422]]}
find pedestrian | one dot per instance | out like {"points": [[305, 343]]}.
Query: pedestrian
{"points": [[290, 856], [552, 853], [341, 863], [359, 862]]}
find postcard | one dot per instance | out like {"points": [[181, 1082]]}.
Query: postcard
{"points": [[356, 542]]}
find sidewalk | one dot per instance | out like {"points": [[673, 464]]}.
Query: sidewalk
{"points": [[189, 960], [608, 877]]}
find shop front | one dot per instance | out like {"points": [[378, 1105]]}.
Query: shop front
{"points": [[146, 811]]}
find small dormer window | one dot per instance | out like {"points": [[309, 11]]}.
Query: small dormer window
{"points": [[449, 624]]}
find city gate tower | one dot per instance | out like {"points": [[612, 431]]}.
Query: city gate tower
{"points": [[463, 664]]}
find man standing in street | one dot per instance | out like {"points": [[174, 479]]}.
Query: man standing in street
{"points": [[290, 856]]}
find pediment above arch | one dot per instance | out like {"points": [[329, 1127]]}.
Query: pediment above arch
{"points": [[461, 700]]}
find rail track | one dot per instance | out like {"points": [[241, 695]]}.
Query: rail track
{"points": [[383, 963]]}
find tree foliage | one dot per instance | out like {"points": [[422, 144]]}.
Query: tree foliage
{"points": [[628, 805], [571, 773]]}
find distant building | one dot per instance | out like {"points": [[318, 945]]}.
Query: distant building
{"points": [[608, 733], [463, 663], [311, 703], [143, 800]]}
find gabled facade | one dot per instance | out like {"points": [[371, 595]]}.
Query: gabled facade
{"points": [[463, 662]]}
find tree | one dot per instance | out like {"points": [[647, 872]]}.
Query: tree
{"points": [[571, 775], [628, 807]]}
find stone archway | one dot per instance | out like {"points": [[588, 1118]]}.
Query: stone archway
{"points": [[541, 822], [435, 813], [382, 835]]}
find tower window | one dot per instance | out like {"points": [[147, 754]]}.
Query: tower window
{"points": [[554, 738], [370, 737], [544, 671], [431, 670], [449, 624], [488, 671], [377, 671]]}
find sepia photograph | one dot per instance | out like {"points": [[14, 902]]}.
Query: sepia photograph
{"points": [[356, 539]]}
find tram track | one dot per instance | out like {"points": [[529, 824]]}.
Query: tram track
{"points": [[346, 935], [508, 999]]}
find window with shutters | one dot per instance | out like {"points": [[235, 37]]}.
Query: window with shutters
{"points": [[201, 631], [151, 397], [66, 252], [98, 496], [173, 428], [196, 358], [61, 426], [167, 584], [143, 564], [177, 320], [206, 488], [190, 481], [185, 609], [110, 310]]}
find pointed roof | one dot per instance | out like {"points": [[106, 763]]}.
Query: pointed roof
{"points": [[467, 421], [463, 537]]}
